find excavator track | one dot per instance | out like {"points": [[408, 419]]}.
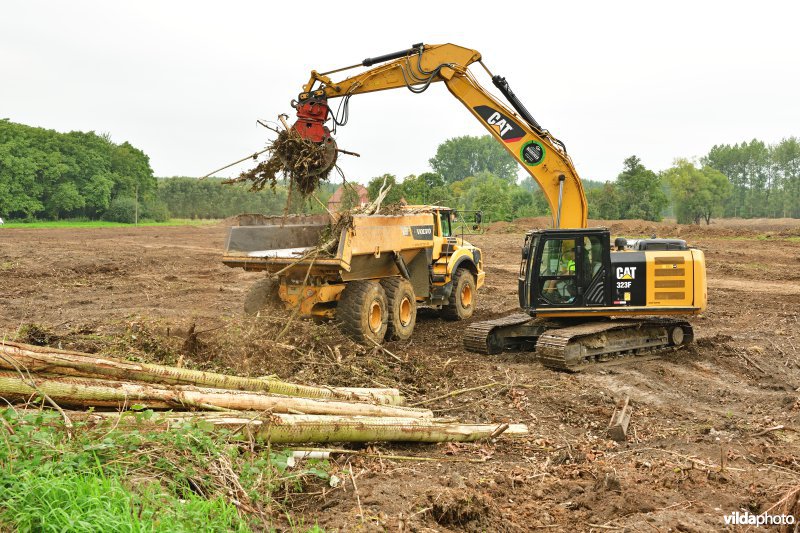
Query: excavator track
{"points": [[480, 337], [574, 348]]}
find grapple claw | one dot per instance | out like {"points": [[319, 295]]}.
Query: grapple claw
{"points": [[311, 116]]}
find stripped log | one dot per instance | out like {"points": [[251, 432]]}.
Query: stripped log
{"points": [[286, 428], [88, 392], [64, 362]]}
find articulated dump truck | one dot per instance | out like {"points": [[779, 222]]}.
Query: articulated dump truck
{"points": [[374, 277]]}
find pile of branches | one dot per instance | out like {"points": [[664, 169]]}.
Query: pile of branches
{"points": [[344, 220], [303, 162]]}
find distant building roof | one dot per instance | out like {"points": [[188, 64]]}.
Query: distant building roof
{"points": [[336, 198]]}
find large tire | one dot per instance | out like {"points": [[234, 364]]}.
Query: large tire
{"points": [[462, 298], [262, 296], [402, 306], [362, 312]]}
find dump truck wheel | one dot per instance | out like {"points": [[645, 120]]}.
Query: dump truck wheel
{"points": [[463, 297], [262, 295], [363, 312], [402, 306]]}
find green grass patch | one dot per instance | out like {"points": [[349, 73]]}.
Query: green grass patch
{"points": [[47, 224], [132, 475], [46, 501]]}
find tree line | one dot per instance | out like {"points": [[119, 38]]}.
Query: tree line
{"points": [[211, 198], [750, 179], [45, 174], [765, 179], [49, 175]]}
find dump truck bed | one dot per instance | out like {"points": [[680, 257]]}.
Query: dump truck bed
{"points": [[365, 249], [260, 243]]}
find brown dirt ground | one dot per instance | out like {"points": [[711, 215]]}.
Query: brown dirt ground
{"points": [[137, 292]]}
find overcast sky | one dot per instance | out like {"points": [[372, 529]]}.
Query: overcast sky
{"points": [[186, 81]]}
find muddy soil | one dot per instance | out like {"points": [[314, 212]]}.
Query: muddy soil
{"points": [[713, 431]]}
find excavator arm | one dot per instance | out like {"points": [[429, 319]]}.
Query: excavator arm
{"points": [[540, 154]]}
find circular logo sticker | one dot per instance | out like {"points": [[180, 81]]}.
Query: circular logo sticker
{"points": [[532, 153]]}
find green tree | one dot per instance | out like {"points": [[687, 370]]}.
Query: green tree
{"points": [[155, 210], [748, 167], [461, 157], [65, 198], [522, 203], [539, 206], [529, 184], [394, 195], [697, 193], [786, 157], [425, 189], [604, 202], [490, 194], [55, 175], [122, 209], [132, 169], [97, 193], [20, 191], [640, 191], [211, 198]]}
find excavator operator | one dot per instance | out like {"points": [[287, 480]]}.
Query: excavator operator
{"points": [[559, 261]]}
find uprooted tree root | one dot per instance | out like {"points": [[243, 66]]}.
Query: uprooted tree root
{"points": [[330, 239], [788, 505], [304, 162]]}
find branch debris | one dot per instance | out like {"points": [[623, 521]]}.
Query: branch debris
{"points": [[303, 162]]}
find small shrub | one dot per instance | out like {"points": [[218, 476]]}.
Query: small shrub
{"points": [[155, 210], [122, 210]]}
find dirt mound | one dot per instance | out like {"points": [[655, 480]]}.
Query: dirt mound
{"points": [[735, 227], [503, 227], [732, 227], [244, 219], [463, 508], [520, 225]]}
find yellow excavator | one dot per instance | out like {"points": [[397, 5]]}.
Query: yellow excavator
{"points": [[583, 302]]}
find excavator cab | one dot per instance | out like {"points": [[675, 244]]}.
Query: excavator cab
{"points": [[574, 273], [565, 269]]}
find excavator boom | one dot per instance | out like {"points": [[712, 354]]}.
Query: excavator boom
{"points": [[537, 151]]}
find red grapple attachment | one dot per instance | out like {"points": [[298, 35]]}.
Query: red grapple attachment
{"points": [[312, 112], [311, 116]]}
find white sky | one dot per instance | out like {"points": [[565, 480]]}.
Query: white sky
{"points": [[186, 81]]}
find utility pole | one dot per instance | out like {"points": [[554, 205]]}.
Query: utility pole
{"points": [[136, 207]]}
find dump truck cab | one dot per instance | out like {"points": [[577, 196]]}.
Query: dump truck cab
{"points": [[449, 252]]}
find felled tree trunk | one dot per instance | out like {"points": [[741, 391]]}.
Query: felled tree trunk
{"points": [[286, 428], [88, 392], [45, 359]]}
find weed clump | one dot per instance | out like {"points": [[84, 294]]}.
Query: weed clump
{"points": [[36, 334]]}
